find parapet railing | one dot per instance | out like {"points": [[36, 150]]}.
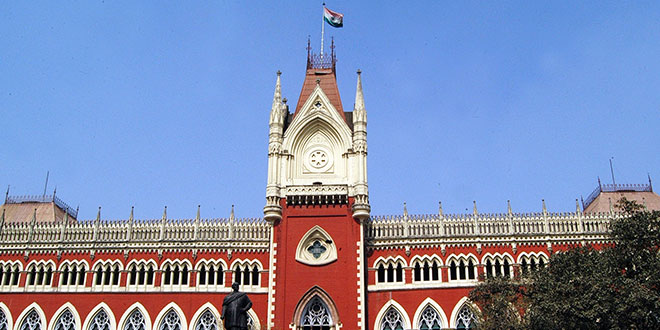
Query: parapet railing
{"points": [[254, 232], [487, 225], [614, 187], [42, 199]]}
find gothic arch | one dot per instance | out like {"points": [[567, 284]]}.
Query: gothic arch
{"points": [[33, 306], [201, 310], [315, 292], [426, 303], [9, 319], [102, 306], [393, 304], [457, 308], [136, 306], [166, 309], [58, 313], [313, 235]]}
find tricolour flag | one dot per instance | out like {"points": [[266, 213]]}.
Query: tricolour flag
{"points": [[333, 18]]}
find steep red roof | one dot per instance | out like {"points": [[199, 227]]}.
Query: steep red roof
{"points": [[328, 82]]}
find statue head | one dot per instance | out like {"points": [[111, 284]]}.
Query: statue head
{"points": [[234, 286]]}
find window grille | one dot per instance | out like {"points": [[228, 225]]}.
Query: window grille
{"points": [[316, 313], [135, 321], [430, 319], [32, 321], [66, 321], [3, 321], [171, 321], [392, 320], [207, 321], [100, 321], [465, 318]]}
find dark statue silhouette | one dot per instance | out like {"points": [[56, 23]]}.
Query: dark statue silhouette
{"points": [[234, 309]]}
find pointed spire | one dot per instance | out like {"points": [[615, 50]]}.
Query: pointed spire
{"points": [[98, 215], [359, 97], [7, 194], [508, 207], [54, 193], [600, 186], [277, 98], [231, 215], [197, 217], [405, 210], [545, 210], [647, 174], [130, 217], [577, 206], [164, 214], [440, 208], [474, 209]]}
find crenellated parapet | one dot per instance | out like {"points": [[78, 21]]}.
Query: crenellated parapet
{"points": [[439, 229], [251, 234]]}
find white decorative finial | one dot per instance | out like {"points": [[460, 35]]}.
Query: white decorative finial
{"points": [[440, 208], [277, 97], [359, 97], [475, 208], [508, 206]]}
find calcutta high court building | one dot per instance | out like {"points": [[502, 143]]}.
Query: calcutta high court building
{"points": [[317, 259]]}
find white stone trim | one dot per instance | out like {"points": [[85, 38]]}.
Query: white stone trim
{"points": [[428, 301], [201, 310], [26, 311], [457, 308], [129, 310], [402, 311], [57, 314], [10, 318], [92, 313], [270, 309], [163, 312], [316, 233]]}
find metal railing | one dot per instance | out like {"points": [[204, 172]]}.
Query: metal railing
{"points": [[42, 199]]}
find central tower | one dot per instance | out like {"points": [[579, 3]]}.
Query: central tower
{"points": [[316, 202]]}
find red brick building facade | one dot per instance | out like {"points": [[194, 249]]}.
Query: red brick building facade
{"points": [[316, 260]]}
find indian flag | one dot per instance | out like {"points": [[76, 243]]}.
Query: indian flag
{"points": [[333, 18]]}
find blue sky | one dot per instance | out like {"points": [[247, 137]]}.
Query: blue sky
{"points": [[149, 104]]}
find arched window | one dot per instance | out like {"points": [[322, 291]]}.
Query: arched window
{"points": [[381, 273], [66, 321], [207, 321], [171, 321], [135, 321], [426, 270], [100, 321], [465, 318], [202, 275], [392, 320], [316, 315], [429, 319], [32, 321], [3, 321]]}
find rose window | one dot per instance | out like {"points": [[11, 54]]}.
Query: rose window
{"points": [[318, 159]]}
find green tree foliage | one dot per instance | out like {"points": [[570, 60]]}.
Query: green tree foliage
{"points": [[616, 287], [500, 300]]}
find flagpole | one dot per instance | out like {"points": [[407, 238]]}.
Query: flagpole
{"points": [[322, 27]]}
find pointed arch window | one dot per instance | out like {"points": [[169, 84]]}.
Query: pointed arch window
{"points": [[3, 321], [207, 321], [392, 320], [66, 321], [100, 321], [465, 318], [135, 321], [32, 321], [430, 319], [171, 321], [316, 315]]}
